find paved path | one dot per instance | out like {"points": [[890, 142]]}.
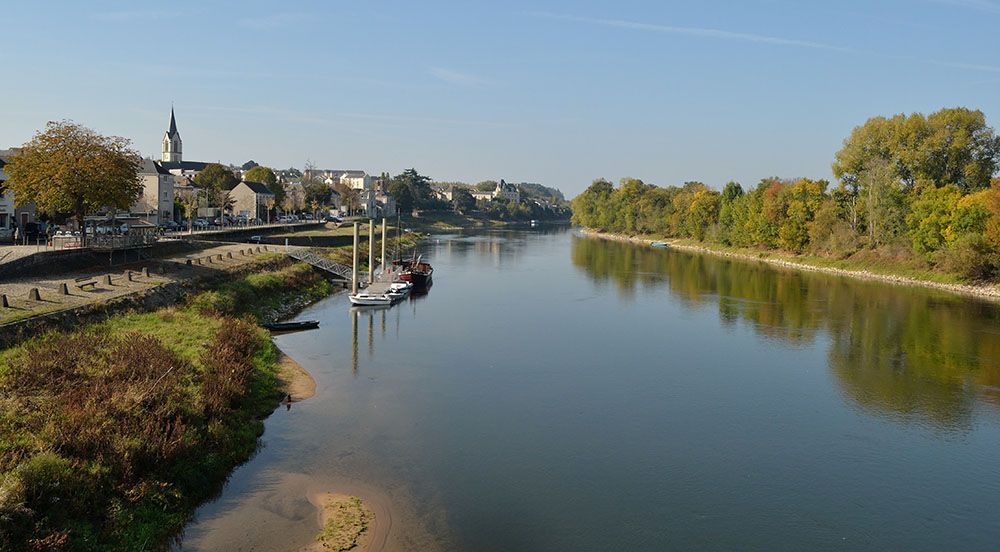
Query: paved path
{"points": [[223, 257]]}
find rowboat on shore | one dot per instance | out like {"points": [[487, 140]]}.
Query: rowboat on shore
{"points": [[659, 244], [292, 326]]}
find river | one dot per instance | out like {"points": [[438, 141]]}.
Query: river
{"points": [[556, 392]]}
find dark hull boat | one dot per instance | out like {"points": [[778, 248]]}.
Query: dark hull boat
{"points": [[417, 272], [292, 326]]}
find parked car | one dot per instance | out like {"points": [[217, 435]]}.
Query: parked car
{"points": [[200, 224]]}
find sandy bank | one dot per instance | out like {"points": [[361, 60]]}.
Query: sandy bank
{"points": [[357, 526], [296, 381], [991, 292]]}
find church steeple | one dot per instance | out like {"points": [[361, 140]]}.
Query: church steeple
{"points": [[171, 151]]}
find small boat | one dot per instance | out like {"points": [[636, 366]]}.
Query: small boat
{"points": [[401, 287], [659, 244], [365, 299], [292, 326]]}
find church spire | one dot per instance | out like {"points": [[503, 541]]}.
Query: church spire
{"points": [[173, 123], [171, 142]]}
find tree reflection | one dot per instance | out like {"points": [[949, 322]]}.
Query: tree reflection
{"points": [[912, 354]]}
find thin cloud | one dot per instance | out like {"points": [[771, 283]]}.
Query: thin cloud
{"points": [[969, 66], [700, 32], [273, 21], [456, 77], [980, 5], [138, 15]]}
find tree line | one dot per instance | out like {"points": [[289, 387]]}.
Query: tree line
{"points": [[913, 190]]}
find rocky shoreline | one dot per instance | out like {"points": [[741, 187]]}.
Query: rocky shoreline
{"points": [[990, 292]]}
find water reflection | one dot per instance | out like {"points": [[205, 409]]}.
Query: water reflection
{"points": [[914, 355]]}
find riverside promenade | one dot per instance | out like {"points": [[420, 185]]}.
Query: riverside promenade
{"points": [[33, 296]]}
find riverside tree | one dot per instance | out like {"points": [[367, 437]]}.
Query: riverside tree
{"points": [[71, 169], [914, 191]]}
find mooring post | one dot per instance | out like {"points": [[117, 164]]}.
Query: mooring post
{"points": [[145, 272], [128, 275], [33, 295], [371, 251], [107, 279], [354, 263], [63, 289], [383, 245], [4, 301]]}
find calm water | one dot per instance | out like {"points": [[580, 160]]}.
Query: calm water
{"points": [[554, 392]]}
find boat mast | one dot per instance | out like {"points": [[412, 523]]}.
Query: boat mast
{"points": [[354, 264]]}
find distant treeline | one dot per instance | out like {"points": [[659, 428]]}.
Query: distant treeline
{"points": [[915, 190]]}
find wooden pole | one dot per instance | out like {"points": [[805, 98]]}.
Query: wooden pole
{"points": [[371, 251], [354, 265], [383, 244]]}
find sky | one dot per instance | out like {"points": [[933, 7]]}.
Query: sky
{"points": [[557, 92]]}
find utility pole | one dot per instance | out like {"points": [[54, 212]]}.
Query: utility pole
{"points": [[354, 265], [371, 251]]}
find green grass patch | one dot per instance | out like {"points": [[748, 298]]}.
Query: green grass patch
{"points": [[111, 434]]}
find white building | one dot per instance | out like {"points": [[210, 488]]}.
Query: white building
{"points": [[356, 181], [9, 213], [156, 202]]}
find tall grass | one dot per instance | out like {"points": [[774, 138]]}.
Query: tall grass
{"points": [[112, 434]]}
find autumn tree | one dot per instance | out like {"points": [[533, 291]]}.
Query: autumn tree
{"points": [[216, 181], [266, 176], [71, 169]]}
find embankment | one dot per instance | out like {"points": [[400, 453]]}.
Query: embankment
{"points": [[114, 431], [985, 291]]}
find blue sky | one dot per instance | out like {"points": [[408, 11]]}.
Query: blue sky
{"points": [[552, 92]]}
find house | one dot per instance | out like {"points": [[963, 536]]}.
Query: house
{"points": [[445, 194], [354, 179], [252, 200], [507, 192], [479, 194], [155, 204], [9, 213]]}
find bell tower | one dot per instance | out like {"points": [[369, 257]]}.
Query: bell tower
{"points": [[171, 142]]}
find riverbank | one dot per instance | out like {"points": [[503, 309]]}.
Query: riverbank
{"points": [[985, 291], [187, 387]]}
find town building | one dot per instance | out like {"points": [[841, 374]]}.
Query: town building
{"points": [[155, 204], [507, 192], [480, 194], [252, 200], [10, 214]]}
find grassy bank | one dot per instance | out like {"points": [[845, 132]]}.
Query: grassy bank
{"points": [[111, 435], [858, 266]]}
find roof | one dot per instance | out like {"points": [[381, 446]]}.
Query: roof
{"points": [[149, 166], [172, 131], [257, 187], [184, 165]]}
